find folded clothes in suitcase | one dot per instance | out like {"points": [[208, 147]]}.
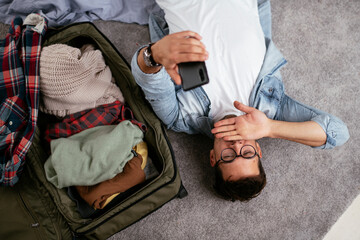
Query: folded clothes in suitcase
{"points": [[35, 209]]}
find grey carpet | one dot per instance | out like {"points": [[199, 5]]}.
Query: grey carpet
{"points": [[307, 189]]}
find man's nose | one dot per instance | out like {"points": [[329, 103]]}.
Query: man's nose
{"points": [[237, 145]]}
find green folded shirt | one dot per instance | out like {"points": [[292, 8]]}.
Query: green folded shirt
{"points": [[91, 156]]}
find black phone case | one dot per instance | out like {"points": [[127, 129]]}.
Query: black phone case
{"points": [[193, 74]]}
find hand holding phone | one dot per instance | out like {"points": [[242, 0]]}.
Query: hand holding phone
{"points": [[193, 74]]}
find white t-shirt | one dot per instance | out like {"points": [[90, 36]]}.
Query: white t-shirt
{"points": [[233, 36]]}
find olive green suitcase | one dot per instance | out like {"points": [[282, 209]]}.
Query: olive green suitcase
{"points": [[35, 209]]}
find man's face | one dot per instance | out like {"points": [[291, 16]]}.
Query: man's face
{"points": [[240, 167]]}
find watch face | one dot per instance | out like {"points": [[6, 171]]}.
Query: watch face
{"points": [[146, 56], [148, 59], [146, 52]]}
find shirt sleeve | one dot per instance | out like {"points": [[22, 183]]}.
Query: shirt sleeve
{"points": [[179, 110], [159, 90], [336, 130]]}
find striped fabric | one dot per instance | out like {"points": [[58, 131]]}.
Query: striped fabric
{"points": [[19, 93]]}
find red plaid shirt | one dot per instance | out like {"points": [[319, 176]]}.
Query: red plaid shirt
{"points": [[19, 94], [107, 114]]}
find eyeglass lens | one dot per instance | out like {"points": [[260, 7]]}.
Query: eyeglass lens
{"points": [[246, 151]]}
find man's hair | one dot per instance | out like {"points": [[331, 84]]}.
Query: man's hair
{"points": [[243, 189]]}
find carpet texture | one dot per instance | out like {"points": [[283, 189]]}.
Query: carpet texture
{"points": [[307, 189]]}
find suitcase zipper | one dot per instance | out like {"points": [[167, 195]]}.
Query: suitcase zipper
{"points": [[56, 227], [36, 223]]}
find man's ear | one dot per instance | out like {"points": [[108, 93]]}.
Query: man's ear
{"points": [[212, 158], [258, 149]]}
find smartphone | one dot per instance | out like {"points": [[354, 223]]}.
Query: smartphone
{"points": [[193, 74]]}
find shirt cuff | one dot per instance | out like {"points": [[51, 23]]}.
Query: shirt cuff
{"points": [[336, 131]]}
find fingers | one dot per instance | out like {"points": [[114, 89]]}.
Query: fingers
{"points": [[186, 38], [176, 48], [225, 134], [233, 138], [174, 75], [190, 46], [186, 48], [191, 42], [189, 50], [188, 34], [179, 47], [243, 107], [225, 128], [228, 121], [190, 57]]}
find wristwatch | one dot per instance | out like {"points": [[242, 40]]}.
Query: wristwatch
{"points": [[148, 59]]}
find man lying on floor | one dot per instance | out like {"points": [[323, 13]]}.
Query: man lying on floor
{"points": [[245, 98]]}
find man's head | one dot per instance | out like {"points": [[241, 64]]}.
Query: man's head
{"points": [[239, 174]]}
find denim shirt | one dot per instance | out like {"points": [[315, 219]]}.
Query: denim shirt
{"points": [[189, 111]]}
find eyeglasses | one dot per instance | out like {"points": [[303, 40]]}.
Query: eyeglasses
{"points": [[228, 154]]}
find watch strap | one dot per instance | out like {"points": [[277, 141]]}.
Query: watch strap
{"points": [[148, 58]]}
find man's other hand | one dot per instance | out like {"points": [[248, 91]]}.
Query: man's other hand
{"points": [[253, 125], [176, 48]]}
